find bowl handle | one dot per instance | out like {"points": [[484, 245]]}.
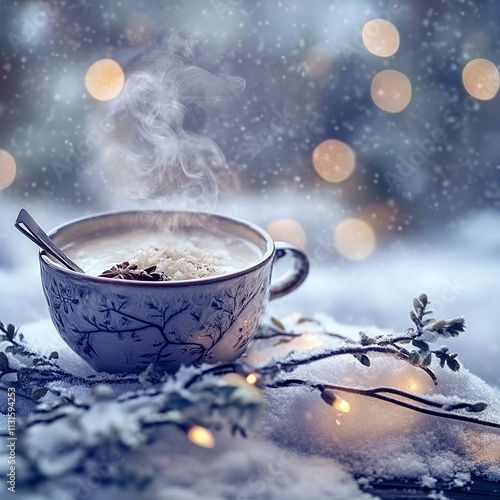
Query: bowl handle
{"points": [[294, 277]]}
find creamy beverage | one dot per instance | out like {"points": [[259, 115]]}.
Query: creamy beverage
{"points": [[197, 254]]}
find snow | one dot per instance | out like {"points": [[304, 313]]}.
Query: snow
{"points": [[300, 446], [433, 203]]}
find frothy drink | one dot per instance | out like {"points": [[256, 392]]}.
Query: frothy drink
{"points": [[197, 254]]}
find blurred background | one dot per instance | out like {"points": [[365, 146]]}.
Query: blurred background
{"points": [[365, 132]]}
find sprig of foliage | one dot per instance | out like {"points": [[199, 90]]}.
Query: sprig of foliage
{"points": [[427, 330], [131, 419]]}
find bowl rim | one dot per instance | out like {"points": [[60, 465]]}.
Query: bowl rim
{"points": [[268, 255]]}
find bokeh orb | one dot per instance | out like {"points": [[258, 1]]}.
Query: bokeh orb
{"points": [[481, 79], [391, 90], [104, 80], [380, 37], [287, 230], [334, 160], [7, 169], [354, 239]]}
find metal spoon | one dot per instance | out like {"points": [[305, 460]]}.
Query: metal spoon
{"points": [[27, 225]]}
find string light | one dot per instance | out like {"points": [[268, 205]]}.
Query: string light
{"points": [[251, 378], [341, 405], [335, 401], [104, 80], [201, 436]]}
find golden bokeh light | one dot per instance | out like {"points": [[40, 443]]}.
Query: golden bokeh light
{"points": [[7, 169], [287, 230], [481, 79], [380, 37], [354, 239], [334, 160], [201, 436], [104, 80], [391, 91]]}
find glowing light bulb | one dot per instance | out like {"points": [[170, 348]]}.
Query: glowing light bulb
{"points": [[338, 403], [201, 436], [104, 80], [251, 378], [341, 405]]}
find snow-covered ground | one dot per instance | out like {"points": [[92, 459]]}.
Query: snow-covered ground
{"points": [[300, 447]]}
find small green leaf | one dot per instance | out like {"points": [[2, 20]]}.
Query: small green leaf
{"points": [[426, 359], [39, 393], [11, 332], [363, 359], [277, 323], [478, 407], [453, 364], [415, 319], [365, 340], [282, 340], [424, 300], [420, 344], [414, 358], [304, 319], [4, 363], [416, 304]]}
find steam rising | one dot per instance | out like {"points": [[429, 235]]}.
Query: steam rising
{"points": [[161, 160]]}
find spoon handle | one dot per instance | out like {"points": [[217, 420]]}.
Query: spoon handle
{"points": [[27, 225]]}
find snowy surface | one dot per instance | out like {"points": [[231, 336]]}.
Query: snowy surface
{"points": [[301, 447], [434, 205]]}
